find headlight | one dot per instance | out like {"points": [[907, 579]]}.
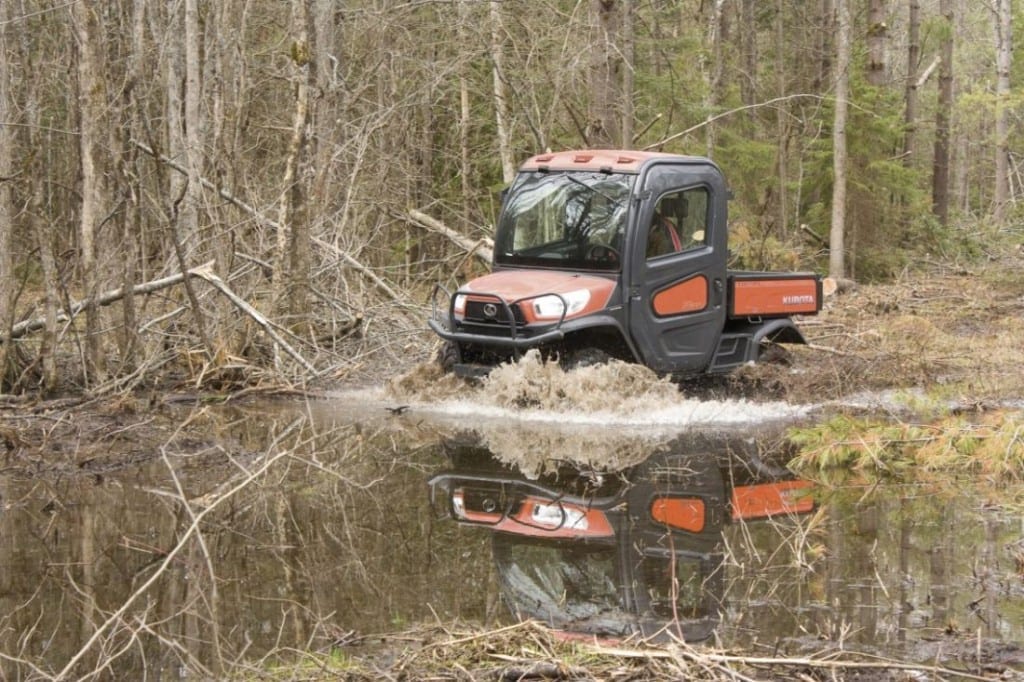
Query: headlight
{"points": [[458, 505], [460, 303], [551, 306], [559, 516]]}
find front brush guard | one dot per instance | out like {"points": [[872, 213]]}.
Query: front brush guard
{"points": [[447, 329]]}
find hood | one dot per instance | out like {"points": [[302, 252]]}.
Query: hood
{"points": [[517, 285]]}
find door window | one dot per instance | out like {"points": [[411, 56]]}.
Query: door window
{"points": [[679, 222]]}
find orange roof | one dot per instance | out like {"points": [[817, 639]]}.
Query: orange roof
{"points": [[620, 161]]}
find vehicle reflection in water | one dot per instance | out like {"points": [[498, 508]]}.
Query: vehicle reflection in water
{"points": [[638, 552]]}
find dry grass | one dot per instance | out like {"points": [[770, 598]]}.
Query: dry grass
{"points": [[530, 651]]}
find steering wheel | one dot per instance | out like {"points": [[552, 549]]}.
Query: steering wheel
{"points": [[602, 253]]}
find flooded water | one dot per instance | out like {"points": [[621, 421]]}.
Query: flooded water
{"points": [[313, 527]]}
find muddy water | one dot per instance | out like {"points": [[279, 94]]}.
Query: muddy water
{"points": [[310, 527]]}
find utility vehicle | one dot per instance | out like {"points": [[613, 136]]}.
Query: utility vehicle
{"points": [[619, 254]]}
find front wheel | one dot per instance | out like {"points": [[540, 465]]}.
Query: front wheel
{"points": [[448, 355], [585, 357]]}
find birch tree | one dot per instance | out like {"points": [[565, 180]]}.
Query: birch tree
{"points": [[193, 124], [92, 106], [501, 115], [293, 234], [837, 249]]}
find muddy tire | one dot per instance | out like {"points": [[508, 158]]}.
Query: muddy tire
{"points": [[448, 356], [774, 354], [586, 357]]}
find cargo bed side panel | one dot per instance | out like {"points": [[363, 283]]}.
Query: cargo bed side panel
{"points": [[762, 294]]}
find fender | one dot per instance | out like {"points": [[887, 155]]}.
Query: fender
{"points": [[781, 330], [740, 342]]}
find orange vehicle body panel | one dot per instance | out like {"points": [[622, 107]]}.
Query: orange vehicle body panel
{"points": [[771, 499], [515, 285], [615, 160], [774, 296], [688, 296], [683, 513]]}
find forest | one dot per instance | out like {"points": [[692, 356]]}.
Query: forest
{"points": [[244, 192]]}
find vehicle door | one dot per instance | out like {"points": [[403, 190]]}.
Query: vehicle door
{"points": [[677, 265]]}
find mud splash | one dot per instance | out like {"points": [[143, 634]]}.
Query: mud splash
{"points": [[615, 394], [535, 416]]}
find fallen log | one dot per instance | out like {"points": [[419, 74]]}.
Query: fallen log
{"points": [[483, 249], [105, 299], [203, 272]]}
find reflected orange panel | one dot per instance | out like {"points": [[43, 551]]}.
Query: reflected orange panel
{"points": [[688, 296], [769, 499], [678, 512]]}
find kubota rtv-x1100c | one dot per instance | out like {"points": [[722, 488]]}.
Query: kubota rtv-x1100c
{"points": [[620, 254]]}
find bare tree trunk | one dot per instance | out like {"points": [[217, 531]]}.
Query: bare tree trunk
{"points": [[782, 119], [42, 230], [51, 304], [1004, 59], [628, 71], [133, 223], [464, 112], [716, 29], [293, 237], [837, 249], [748, 48], [7, 208], [92, 111], [193, 132], [913, 63], [508, 166], [174, 84], [878, 37], [603, 129], [943, 113], [825, 46]]}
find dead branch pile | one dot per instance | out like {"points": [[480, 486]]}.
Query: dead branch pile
{"points": [[530, 651]]}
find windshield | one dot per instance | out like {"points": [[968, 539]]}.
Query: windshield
{"points": [[568, 585], [565, 220], [577, 586]]}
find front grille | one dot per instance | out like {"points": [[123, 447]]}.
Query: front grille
{"points": [[487, 500], [477, 311]]}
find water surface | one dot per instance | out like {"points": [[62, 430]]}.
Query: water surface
{"points": [[310, 527]]}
